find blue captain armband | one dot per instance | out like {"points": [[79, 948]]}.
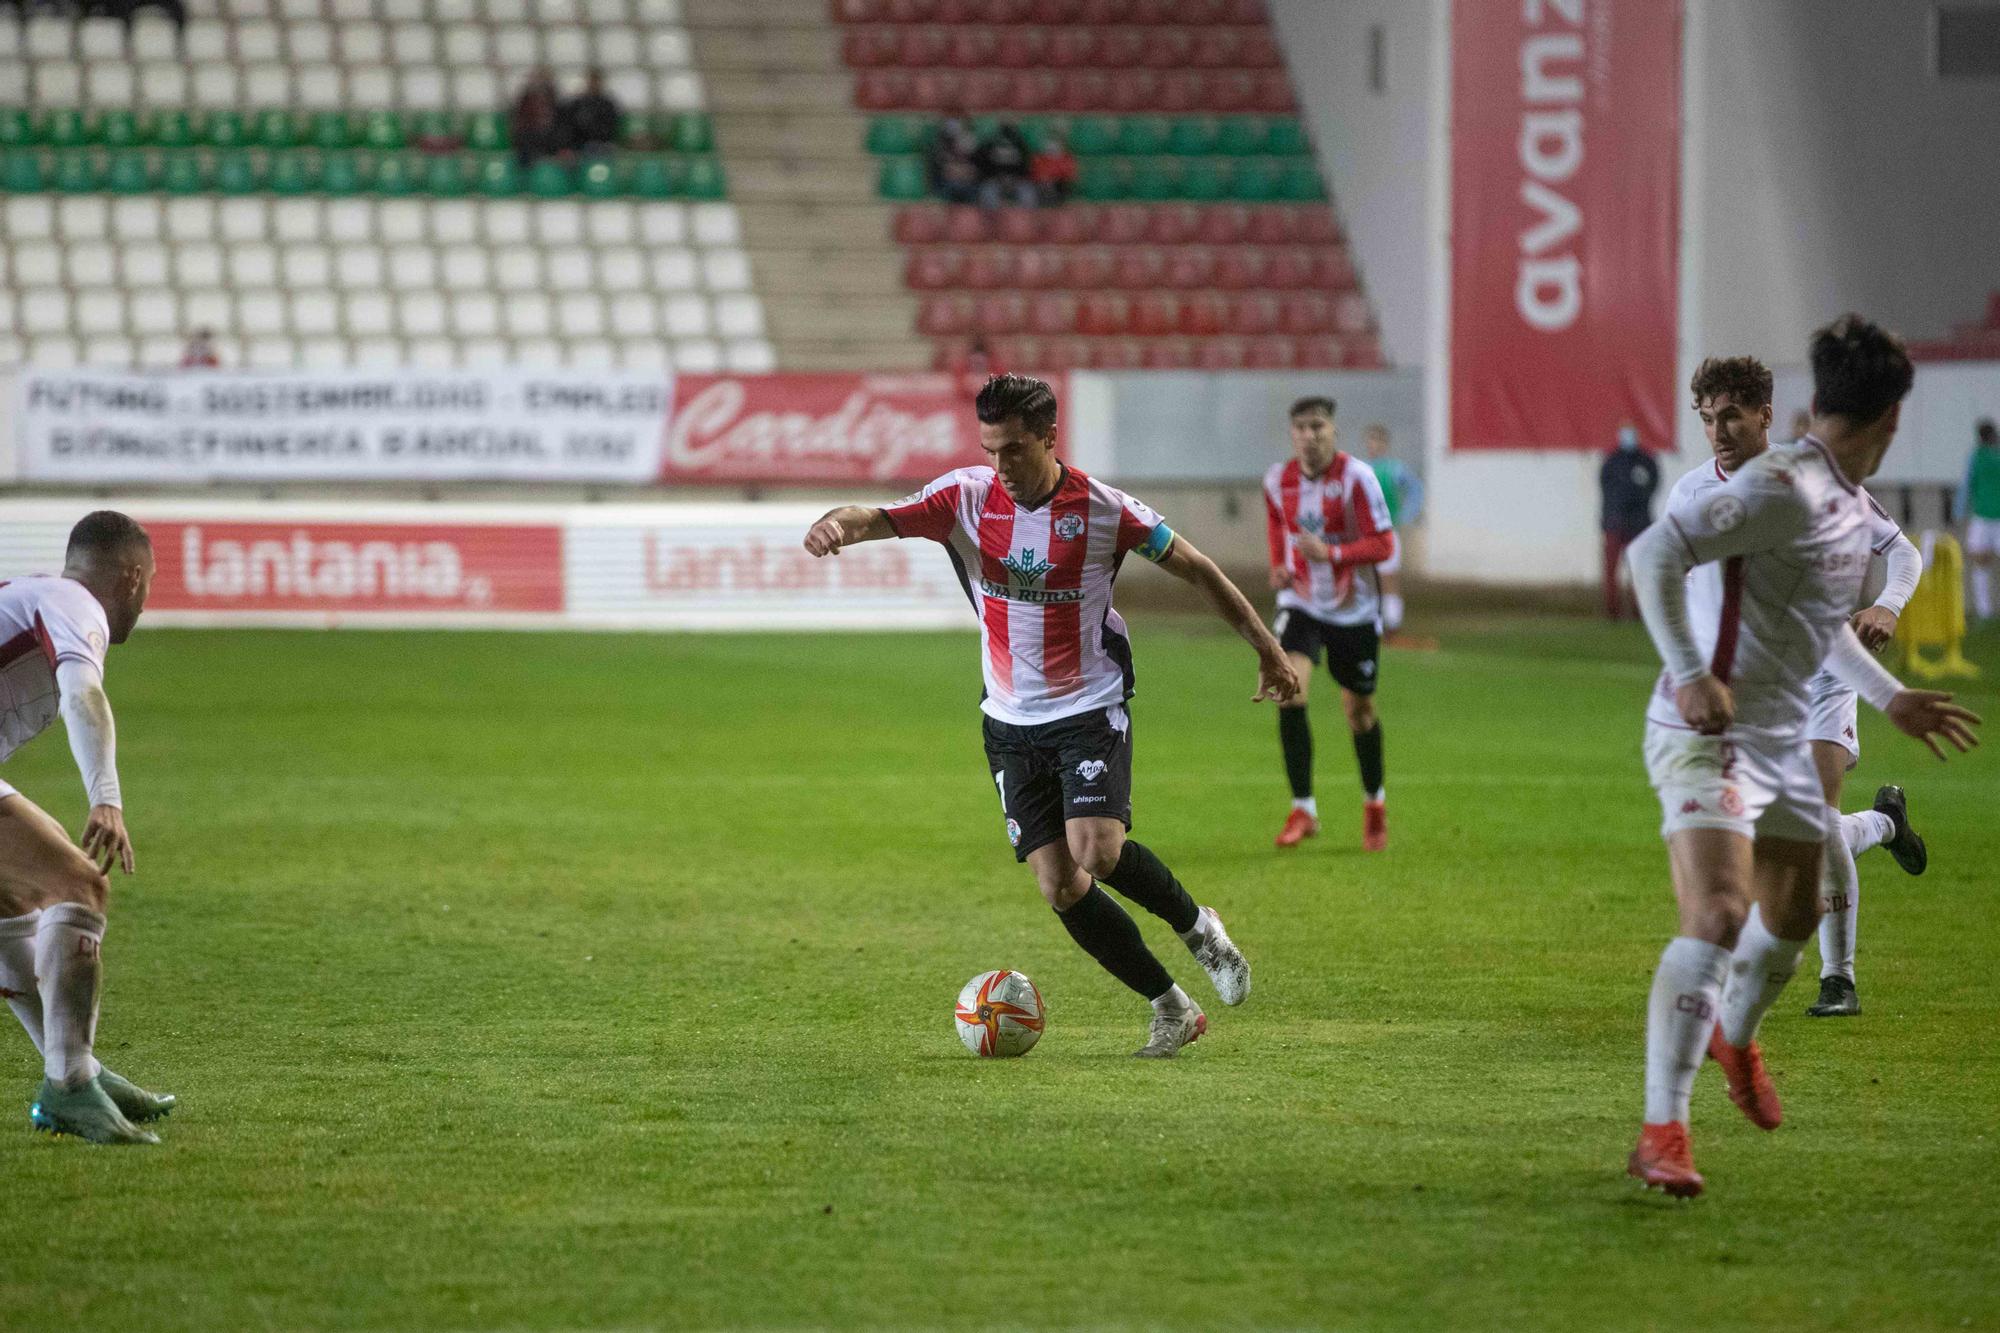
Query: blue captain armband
{"points": [[1158, 542]]}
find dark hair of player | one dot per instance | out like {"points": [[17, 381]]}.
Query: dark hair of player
{"points": [[1744, 380], [1017, 397], [103, 534], [1860, 370], [1314, 404], [1986, 431]]}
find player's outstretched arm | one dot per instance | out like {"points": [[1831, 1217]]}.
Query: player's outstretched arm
{"points": [[1926, 715], [845, 526], [1275, 677], [93, 741], [1660, 567]]}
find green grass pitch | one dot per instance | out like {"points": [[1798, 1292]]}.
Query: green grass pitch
{"points": [[518, 981]]}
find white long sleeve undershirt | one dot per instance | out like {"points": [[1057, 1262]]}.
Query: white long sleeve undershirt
{"points": [[93, 738], [1904, 565], [1660, 565], [1855, 667]]}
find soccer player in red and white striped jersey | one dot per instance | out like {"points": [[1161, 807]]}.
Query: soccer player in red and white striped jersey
{"points": [[1036, 545], [1329, 527]]}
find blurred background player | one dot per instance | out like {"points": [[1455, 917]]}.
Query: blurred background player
{"points": [[1625, 485], [1745, 819], [1979, 501], [53, 635], [1403, 492], [1329, 530], [1037, 546]]}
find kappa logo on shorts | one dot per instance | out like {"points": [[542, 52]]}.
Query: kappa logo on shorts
{"points": [[1090, 770], [1732, 802], [1690, 807], [1069, 527], [1014, 832]]}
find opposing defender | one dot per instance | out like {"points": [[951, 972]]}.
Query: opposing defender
{"points": [[1329, 530], [54, 632], [1037, 545], [1744, 814]]}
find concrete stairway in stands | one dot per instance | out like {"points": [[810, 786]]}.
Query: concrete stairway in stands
{"points": [[828, 271]]}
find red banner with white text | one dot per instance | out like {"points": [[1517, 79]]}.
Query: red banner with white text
{"points": [[1565, 221], [808, 428]]}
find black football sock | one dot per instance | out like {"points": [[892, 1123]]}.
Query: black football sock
{"points": [[1368, 751], [1108, 934], [1295, 736], [1145, 879]]}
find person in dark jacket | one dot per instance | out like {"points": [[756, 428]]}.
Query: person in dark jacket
{"points": [[1627, 482], [592, 121]]}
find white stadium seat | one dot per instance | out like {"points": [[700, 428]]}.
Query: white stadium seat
{"points": [[323, 353], [475, 315], [674, 270], [645, 354], [100, 39], [528, 315], [400, 221], [359, 267], [663, 224], [413, 268], [322, 88], [161, 350], [156, 313], [245, 219], [559, 222], [367, 314], [58, 82], [110, 84], [268, 84], [368, 43], [90, 264], [629, 84], [13, 41], [44, 310], [371, 87], [260, 314], [37, 264], [750, 356], [635, 315], [611, 222], [257, 42], [507, 222], [509, 11], [269, 351], [377, 352], [517, 268], [475, 89], [315, 312], [667, 48], [420, 314], [464, 43], [679, 91], [305, 266], [108, 353], [310, 42], [617, 46], [28, 217], [591, 354], [542, 352], [717, 224], [191, 219], [697, 356], [517, 45], [651, 12], [216, 85], [49, 37], [137, 218], [685, 316], [164, 83], [451, 11], [84, 218], [417, 44], [349, 220], [350, 11], [621, 269], [296, 220], [739, 316], [145, 264], [484, 352], [725, 270], [455, 222], [571, 269], [468, 268], [424, 89], [580, 315], [100, 313], [54, 352], [197, 265]]}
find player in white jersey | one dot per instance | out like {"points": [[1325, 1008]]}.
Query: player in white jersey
{"points": [[1036, 545], [1328, 527], [1745, 819], [1733, 398], [53, 636]]}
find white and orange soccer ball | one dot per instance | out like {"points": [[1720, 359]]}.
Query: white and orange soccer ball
{"points": [[999, 1013]]}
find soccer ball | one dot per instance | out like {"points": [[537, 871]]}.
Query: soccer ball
{"points": [[999, 1013]]}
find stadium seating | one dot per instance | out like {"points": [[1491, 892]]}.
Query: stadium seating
{"points": [[1978, 341]]}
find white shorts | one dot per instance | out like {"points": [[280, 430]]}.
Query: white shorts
{"points": [[1833, 715], [8, 789], [1737, 782], [1394, 563], [1982, 536]]}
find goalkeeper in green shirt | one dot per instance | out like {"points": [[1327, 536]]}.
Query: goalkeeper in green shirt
{"points": [[1979, 501], [1404, 491]]}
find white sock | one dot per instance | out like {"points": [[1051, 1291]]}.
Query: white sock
{"points": [[1864, 829], [1841, 885], [1378, 795], [17, 972], [67, 960], [1173, 1002], [1392, 611], [1759, 967], [1982, 591], [1196, 936], [1687, 987], [1306, 803]]}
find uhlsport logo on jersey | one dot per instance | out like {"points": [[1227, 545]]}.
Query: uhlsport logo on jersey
{"points": [[1028, 569], [1090, 770], [1069, 527]]}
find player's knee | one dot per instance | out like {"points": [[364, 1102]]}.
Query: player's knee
{"points": [[1063, 893], [1097, 851], [85, 885], [1725, 914], [1360, 709]]}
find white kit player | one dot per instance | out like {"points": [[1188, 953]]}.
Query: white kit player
{"points": [[1037, 546], [1733, 397], [54, 632], [1745, 817]]}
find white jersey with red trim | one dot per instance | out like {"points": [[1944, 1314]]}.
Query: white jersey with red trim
{"points": [[1343, 507], [1040, 582], [43, 620], [1782, 549]]}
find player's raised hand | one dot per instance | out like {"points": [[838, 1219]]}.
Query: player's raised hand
{"points": [[1929, 715], [826, 537], [1706, 705], [1277, 680], [1875, 627], [105, 841]]}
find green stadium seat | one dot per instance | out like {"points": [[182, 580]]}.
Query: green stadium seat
{"points": [[1155, 178], [599, 179], [1204, 178], [16, 129], [329, 131], [902, 178], [184, 172], [21, 172], [1093, 136], [78, 171], [340, 172], [382, 131], [652, 178], [1299, 181], [705, 179], [445, 176], [63, 128], [116, 128], [170, 129], [397, 174], [293, 173], [236, 172], [273, 129], [549, 179], [1287, 139], [1192, 136], [487, 133], [1240, 136], [130, 171], [420, 126], [893, 136], [1143, 136], [1255, 182], [693, 133], [1101, 180], [224, 129], [499, 176]]}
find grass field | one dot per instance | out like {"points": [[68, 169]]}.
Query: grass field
{"points": [[605, 981]]}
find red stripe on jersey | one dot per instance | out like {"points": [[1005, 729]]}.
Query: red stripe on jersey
{"points": [[996, 539], [1062, 622], [48, 644], [1288, 499], [1724, 660]]}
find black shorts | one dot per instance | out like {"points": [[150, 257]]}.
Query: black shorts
{"points": [[1073, 768], [1353, 652]]}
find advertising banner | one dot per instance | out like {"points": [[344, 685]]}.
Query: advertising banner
{"points": [[395, 425], [1565, 222]]}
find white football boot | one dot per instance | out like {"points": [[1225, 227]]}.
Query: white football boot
{"points": [[1171, 1031], [1218, 955]]}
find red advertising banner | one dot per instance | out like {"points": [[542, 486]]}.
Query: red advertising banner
{"points": [[774, 429], [1565, 221], [333, 566]]}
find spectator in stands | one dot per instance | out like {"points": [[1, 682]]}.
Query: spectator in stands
{"points": [[199, 353], [1053, 170], [532, 123], [1627, 482], [951, 160], [1979, 501], [592, 122], [1003, 169]]}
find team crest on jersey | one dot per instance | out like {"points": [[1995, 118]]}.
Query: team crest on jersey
{"points": [[1069, 527], [1725, 513], [1026, 567], [1090, 770]]}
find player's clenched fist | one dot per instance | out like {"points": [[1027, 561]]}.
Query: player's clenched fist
{"points": [[1276, 679], [826, 537], [1706, 704]]}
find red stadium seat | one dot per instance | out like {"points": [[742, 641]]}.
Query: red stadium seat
{"points": [[1088, 267], [1272, 354], [1288, 268], [972, 48], [1200, 13], [1052, 312], [1034, 90], [1120, 48], [1240, 90], [931, 268], [1123, 224], [1218, 48], [1258, 50], [919, 224], [992, 89], [1001, 313], [1274, 93], [1332, 269], [1073, 47], [1224, 224], [856, 11], [1307, 313], [1169, 354], [1221, 354], [1055, 13], [1085, 90], [910, 11], [1183, 90], [1156, 314], [1073, 224], [1010, 11], [1139, 268], [1246, 11], [937, 89], [1240, 267], [1363, 351], [921, 47], [1253, 313], [1154, 11], [1319, 354], [862, 47], [991, 267], [883, 90], [1272, 224], [1018, 226], [1065, 353], [1039, 267], [1117, 354], [1173, 224], [949, 353], [1167, 48], [1203, 315], [1023, 48], [965, 225], [1191, 266], [1314, 224], [1134, 90], [945, 316], [1104, 313], [1101, 12], [1352, 315]]}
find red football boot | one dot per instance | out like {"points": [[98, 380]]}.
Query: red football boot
{"points": [[1374, 826], [1750, 1087], [1298, 827], [1664, 1160]]}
